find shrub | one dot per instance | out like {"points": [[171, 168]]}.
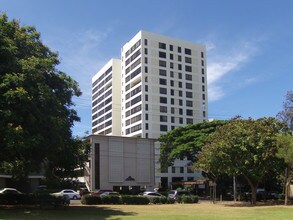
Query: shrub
{"points": [[91, 200], [170, 200], [195, 199], [111, 199], [185, 199], [135, 200], [16, 199], [158, 200], [188, 199]]}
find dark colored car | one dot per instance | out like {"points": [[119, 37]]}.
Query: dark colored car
{"points": [[100, 191]]}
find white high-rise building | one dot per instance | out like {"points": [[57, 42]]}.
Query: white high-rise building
{"points": [[162, 85], [106, 99]]}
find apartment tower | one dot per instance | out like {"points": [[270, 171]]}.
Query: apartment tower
{"points": [[162, 85]]}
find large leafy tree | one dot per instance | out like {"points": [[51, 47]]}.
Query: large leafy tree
{"points": [[285, 152], [243, 148], [286, 115], [36, 113], [185, 141]]}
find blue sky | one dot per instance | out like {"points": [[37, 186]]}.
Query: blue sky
{"points": [[249, 44]]}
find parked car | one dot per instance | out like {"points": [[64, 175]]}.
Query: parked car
{"points": [[109, 194], [175, 194], [68, 192], [9, 191], [151, 194], [100, 191]]}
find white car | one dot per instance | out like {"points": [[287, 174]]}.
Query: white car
{"points": [[151, 194], [68, 192], [9, 191]]}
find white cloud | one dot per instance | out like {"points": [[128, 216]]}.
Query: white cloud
{"points": [[220, 65]]}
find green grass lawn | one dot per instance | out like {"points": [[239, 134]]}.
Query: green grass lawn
{"points": [[176, 211]]}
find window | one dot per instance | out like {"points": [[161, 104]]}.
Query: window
{"points": [[179, 75], [188, 68], [203, 97], [189, 121], [146, 69], [162, 63], [179, 67], [202, 63], [203, 88], [163, 81], [179, 49], [173, 170], [145, 50], [180, 93], [172, 65], [172, 110], [172, 91], [162, 45], [163, 100], [164, 169], [146, 107], [162, 54], [171, 56], [189, 94], [180, 111], [180, 84], [189, 169], [202, 55], [163, 91], [180, 120], [163, 118], [145, 60], [189, 112], [171, 47], [187, 60], [146, 116], [202, 71], [146, 126], [179, 58], [180, 102], [171, 74], [145, 42], [172, 119], [163, 128], [146, 98], [181, 169], [162, 72], [204, 114], [163, 109], [189, 103], [188, 77], [172, 101], [188, 85], [146, 88], [172, 83], [187, 51], [202, 79]]}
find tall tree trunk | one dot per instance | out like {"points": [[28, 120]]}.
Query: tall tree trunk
{"points": [[287, 185], [253, 190], [234, 188]]}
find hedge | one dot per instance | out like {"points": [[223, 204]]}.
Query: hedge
{"points": [[133, 200]]}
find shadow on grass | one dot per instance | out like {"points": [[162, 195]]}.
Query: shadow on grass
{"points": [[71, 212], [249, 204]]}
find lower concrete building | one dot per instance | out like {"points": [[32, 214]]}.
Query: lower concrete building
{"points": [[121, 163]]}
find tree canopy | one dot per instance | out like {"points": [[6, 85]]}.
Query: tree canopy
{"points": [[286, 115], [36, 108], [185, 141], [243, 147]]}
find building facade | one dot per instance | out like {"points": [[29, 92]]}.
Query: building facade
{"points": [[121, 163], [163, 85]]}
